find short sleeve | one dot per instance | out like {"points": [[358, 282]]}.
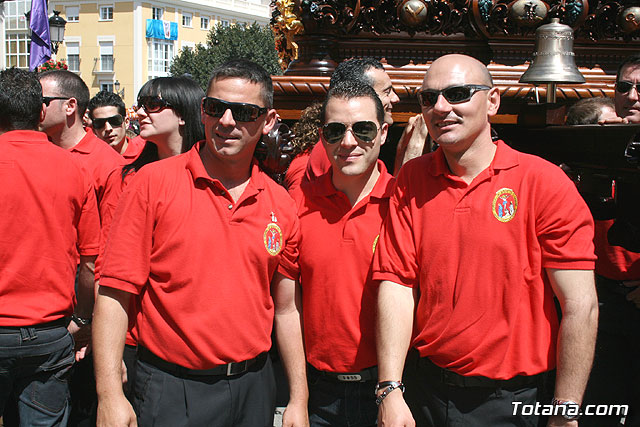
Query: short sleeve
{"points": [[564, 224], [395, 257], [127, 252]]}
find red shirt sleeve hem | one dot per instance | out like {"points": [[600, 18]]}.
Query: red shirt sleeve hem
{"points": [[569, 265], [289, 273], [381, 275], [90, 251], [122, 285]]}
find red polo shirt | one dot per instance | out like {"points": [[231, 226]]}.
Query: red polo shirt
{"points": [[614, 262], [203, 262], [478, 252], [134, 148], [98, 159], [339, 299], [48, 216]]}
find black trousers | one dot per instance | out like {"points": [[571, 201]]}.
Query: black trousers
{"points": [[615, 376], [435, 404], [163, 399]]}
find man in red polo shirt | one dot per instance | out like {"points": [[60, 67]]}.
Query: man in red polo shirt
{"points": [[210, 243], [340, 217], [66, 97], [48, 218], [110, 122], [478, 239]]}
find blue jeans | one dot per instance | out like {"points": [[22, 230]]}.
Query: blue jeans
{"points": [[34, 368], [337, 403]]}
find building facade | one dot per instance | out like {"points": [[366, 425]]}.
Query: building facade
{"points": [[129, 42]]}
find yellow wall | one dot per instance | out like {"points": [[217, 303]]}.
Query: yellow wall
{"points": [[89, 29]]}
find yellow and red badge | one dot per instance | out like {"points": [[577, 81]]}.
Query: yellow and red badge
{"points": [[505, 205], [273, 240]]}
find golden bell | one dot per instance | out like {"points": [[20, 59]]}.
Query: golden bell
{"points": [[553, 59]]}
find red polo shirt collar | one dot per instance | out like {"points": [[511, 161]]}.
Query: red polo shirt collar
{"points": [[504, 158], [381, 190], [198, 172]]}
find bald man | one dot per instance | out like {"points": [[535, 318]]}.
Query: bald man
{"points": [[478, 239]]}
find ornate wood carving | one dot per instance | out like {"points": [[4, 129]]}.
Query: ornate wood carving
{"points": [[408, 34]]}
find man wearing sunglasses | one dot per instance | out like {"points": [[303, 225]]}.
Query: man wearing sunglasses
{"points": [[109, 121], [66, 98], [340, 216], [478, 239], [210, 243], [371, 72], [627, 95]]}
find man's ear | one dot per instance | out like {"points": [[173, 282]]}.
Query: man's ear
{"points": [[384, 129], [43, 112], [493, 101], [126, 122], [71, 107], [270, 120]]}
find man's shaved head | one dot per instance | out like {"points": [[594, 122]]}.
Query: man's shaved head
{"points": [[473, 70]]}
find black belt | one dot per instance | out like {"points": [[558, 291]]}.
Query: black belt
{"points": [[62, 322], [369, 374], [447, 377], [228, 370]]}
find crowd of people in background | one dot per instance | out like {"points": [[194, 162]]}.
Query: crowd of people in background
{"points": [[149, 263]]}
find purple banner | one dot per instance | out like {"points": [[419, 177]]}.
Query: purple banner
{"points": [[40, 39]]}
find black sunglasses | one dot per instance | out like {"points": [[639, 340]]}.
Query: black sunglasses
{"points": [[365, 131], [152, 104], [453, 94], [241, 112], [46, 100], [114, 121], [624, 86]]}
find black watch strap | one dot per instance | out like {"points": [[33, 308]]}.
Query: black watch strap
{"points": [[81, 321]]}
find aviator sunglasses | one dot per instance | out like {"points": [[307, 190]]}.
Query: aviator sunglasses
{"points": [[152, 104], [241, 112], [114, 121], [365, 131], [453, 94], [624, 87]]}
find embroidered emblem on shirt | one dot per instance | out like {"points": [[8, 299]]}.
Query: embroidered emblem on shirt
{"points": [[273, 239], [505, 205], [375, 243]]}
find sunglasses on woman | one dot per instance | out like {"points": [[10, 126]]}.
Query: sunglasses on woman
{"points": [[241, 112], [624, 86], [365, 131], [114, 121], [453, 94], [152, 104]]}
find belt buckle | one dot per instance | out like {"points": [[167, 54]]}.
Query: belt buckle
{"points": [[349, 377], [231, 371]]}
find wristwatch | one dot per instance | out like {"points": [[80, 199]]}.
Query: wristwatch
{"points": [[571, 410], [81, 321]]}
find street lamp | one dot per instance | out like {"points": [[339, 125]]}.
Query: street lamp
{"points": [[56, 30], [116, 86]]}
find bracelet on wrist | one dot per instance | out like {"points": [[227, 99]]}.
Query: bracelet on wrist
{"points": [[388, 387]]}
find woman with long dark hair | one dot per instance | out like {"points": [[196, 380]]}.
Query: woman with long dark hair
{"points": [[170, 123]]}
